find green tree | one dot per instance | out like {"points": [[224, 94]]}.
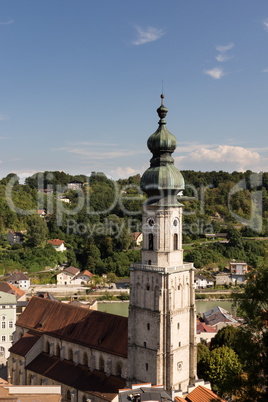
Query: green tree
{"points": [[37, 230], [224, 371]]}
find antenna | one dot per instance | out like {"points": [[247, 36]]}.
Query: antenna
{"points": [[162, 87]]}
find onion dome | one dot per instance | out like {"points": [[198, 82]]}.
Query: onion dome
{"points": [[162, 177]]}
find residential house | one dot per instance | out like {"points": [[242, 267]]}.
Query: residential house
{"points": [[223, 278], [238, 271], [66, 276], [20, 280], [19, 293], [82, 277], [218, 318], [8, 304], [137, 237], [204, 332], [15, 237], [201, 282], [42, 213], [75, 185], [63, 199], [57, 244], [82, 350]]}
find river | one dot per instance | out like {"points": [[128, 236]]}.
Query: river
{"points": [[121, 308]]}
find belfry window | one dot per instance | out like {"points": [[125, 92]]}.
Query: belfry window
{"points": [[175, 241], [151, 241]]}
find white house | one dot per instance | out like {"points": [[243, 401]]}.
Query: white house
{"points": [[20, 280], [8, 304], [82, 277], [66, 276], [57, 244], [201, 282]]}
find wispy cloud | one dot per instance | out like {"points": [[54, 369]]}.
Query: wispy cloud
{"points": [[99, 154], [123, 173], [265, 24], [222, 56], [3, 117], [6, 22], [216, 73], [265, 70], [149, 34]]}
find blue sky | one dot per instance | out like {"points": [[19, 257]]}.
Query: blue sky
{"points": [[80, 82]]}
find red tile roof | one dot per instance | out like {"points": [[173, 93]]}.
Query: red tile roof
{"points": [[202, 394], [202, 327], [77, 376], [56, 242], [25, 343], [86, 272], [95, 329], [11, 289]]}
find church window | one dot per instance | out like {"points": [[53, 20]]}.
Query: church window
{"points": [[144, 344], [118, 370], [58, 350], [148, 326], [85, 359], [47, 347], [101, 364], [175, 241], [149, 262], [151, 241], [70, 355], [179, 344], [68, 395], [146, 366], [147, 287], [178, 325]]}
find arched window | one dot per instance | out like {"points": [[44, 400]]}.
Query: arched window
{"points": [[118, 370], [149, 262], [58, 350], [47, 347], [151, 241], [68, 395], [70, 355], [85, 399], [85, 359], [101, 364], [175, 241]]}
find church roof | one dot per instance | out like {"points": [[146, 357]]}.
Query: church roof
{"points": [[162, 175], [25, 343], [77, 376], [94, 329]]}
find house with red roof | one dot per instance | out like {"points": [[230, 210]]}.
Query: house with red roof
{"points": [[82, 277], [77, 348], [58, 244], [200, 394], [204, 332]]}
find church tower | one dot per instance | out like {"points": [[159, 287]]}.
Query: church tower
{"points": [[161, 334]]}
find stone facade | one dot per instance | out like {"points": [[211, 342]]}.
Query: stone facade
{"points": [[162, 344]]}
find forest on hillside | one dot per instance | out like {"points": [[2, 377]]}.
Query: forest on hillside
{"points": [[97, 220]]}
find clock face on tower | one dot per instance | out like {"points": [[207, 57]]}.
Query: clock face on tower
{"points": [[150, 222], [175, 222]]}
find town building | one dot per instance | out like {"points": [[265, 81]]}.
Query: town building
{"points": [[66, 276], [204, 332], [83, 350], [30, 393], [57, 244], [15, 237], [239, 270], [8, 304], [201, 282], [20, 280], [218, 318], [161, 324], [75, 185], [137, 237]]}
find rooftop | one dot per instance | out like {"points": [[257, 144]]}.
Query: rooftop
{"points": [[90, 328], [77, 376]]}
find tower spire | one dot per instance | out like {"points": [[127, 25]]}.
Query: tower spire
{"points": [[162, 176]]}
